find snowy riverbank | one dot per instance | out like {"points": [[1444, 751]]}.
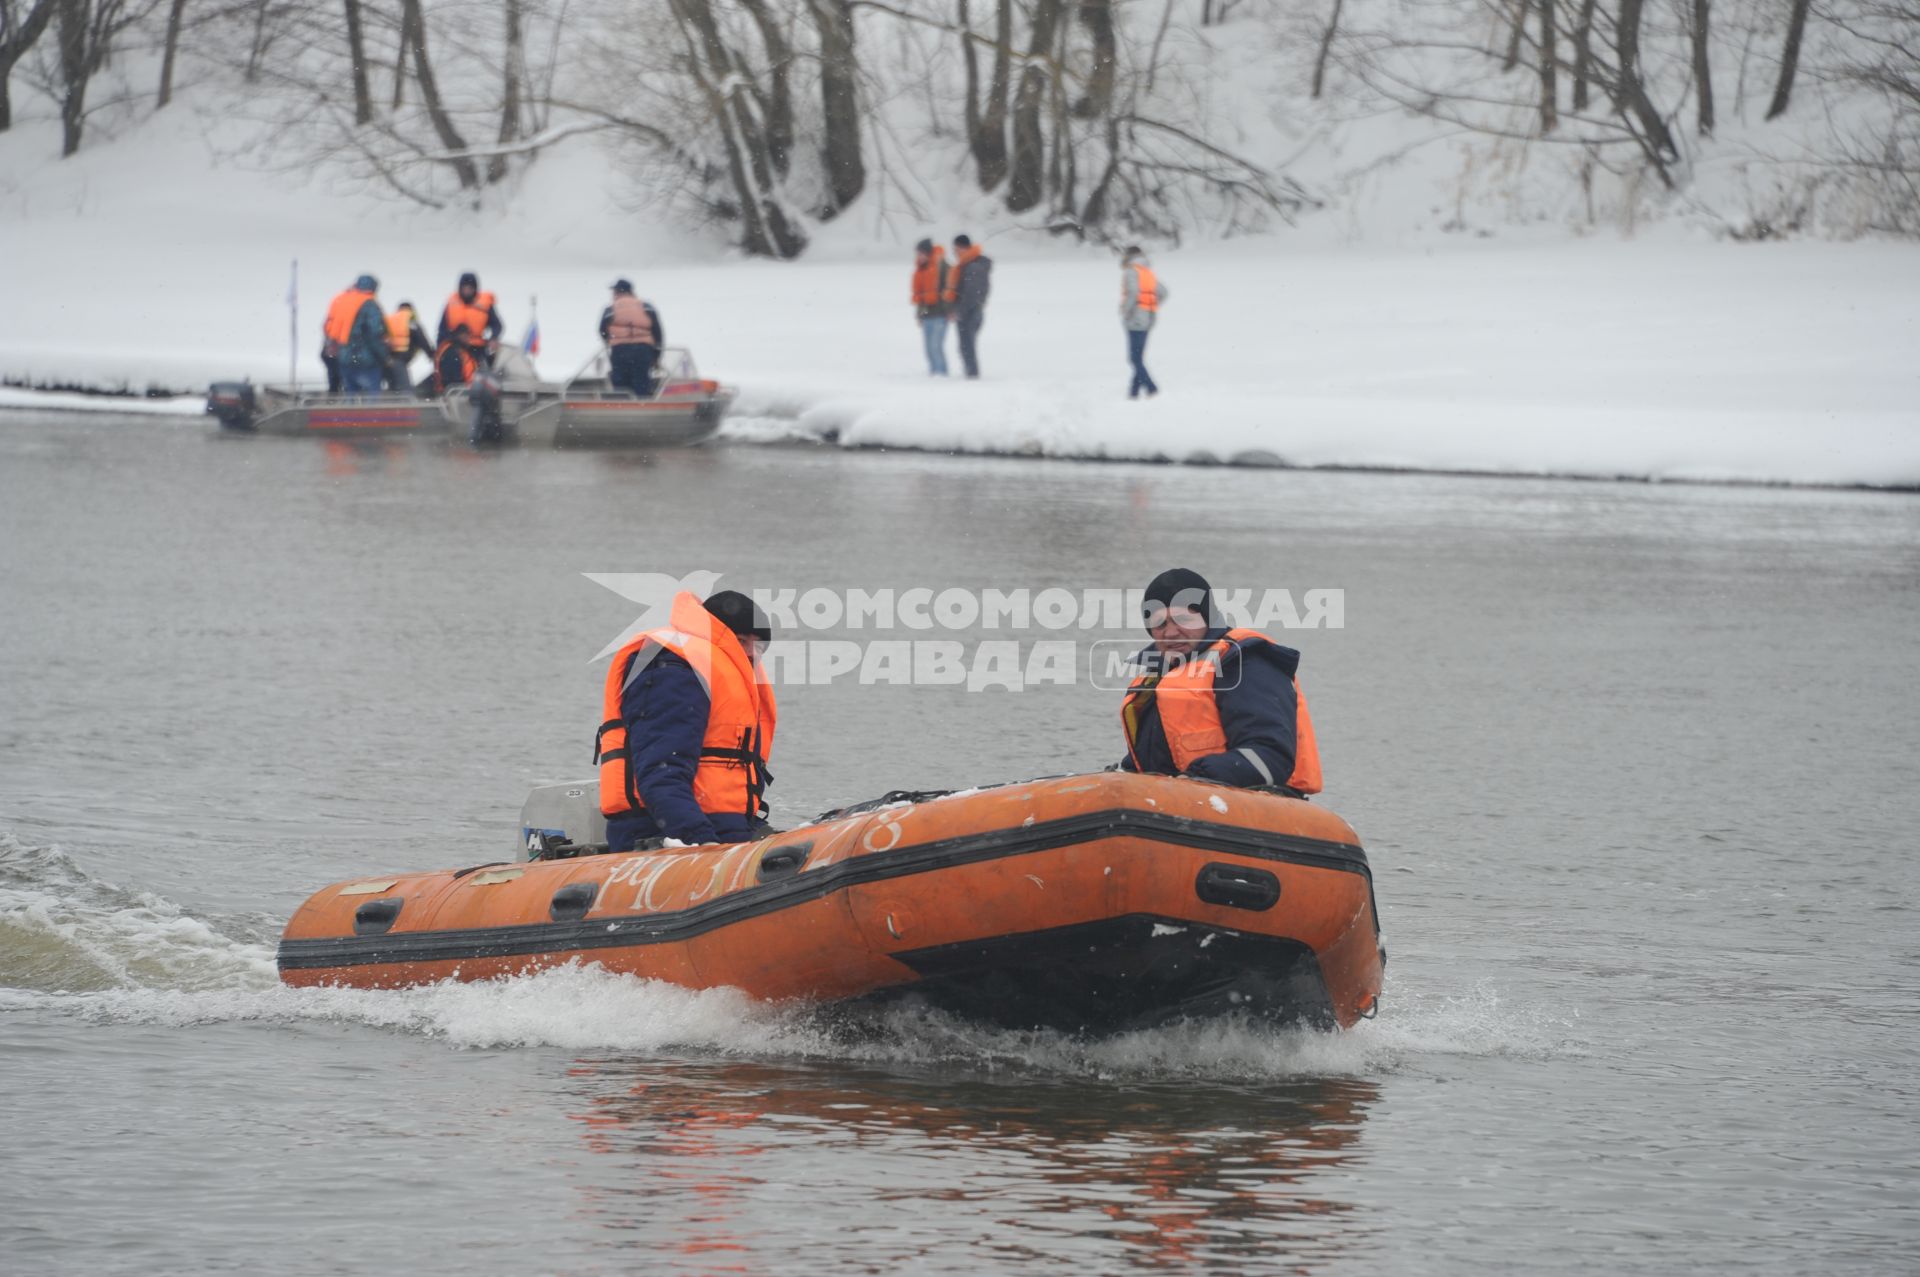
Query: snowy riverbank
{"points": [[1671, 357]]}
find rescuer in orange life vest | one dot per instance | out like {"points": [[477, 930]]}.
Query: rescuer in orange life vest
{"points": [[1214, 702], [469, 327], [687, 726], [405, 339], [1141, 294], [634, 335]]}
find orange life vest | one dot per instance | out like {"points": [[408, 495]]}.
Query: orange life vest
{"points": [[472, 314], [399, 332], [1149, 289], [732, 772], [463, 357], [631, 325], [929, 280], [1190, 716], [341, 313]]}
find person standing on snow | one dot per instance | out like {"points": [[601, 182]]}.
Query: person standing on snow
{"points": [[929, 297], [967, 285], [1141, 292], [363, 351], [634, 335]]}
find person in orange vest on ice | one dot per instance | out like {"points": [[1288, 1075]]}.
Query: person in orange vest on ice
{"points": [[1141, 294], [686, 728], [405, 339], [337, 329], [929, 297], [469, 328], [634, 335], [1215, 702], [967, 286]]}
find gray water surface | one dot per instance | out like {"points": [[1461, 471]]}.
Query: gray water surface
{"points": [[1635, 766]]}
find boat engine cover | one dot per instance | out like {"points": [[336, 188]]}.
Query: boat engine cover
{"points": [[570, 810]]}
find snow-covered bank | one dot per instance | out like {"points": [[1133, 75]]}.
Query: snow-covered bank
{"points": [[1675, 356]]}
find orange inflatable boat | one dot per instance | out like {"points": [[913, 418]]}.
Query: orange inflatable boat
{"points": [[1089, 904]]}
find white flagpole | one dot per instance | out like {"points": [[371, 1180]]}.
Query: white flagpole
{"points": [[293, 327]]}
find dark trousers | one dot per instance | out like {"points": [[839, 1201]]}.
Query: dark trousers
{"points": [[1137, 355], [968, 322], [395, 374], [332, 362], [630, 367]]}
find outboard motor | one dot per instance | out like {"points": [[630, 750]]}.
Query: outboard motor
{"points": [[232, 403], [563, 820], [484, 396]]}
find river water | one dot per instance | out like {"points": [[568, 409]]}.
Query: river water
{"points": [[1635, 766]]}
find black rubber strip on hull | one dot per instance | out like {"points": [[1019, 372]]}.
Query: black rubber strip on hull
{"points": [[1119, 974], [678, 926]]}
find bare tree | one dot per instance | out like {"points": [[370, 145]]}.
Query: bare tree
{"points": [[1702, 65], [87, 31], [21, 25], [414, 33], [1327, 37], [512, 73], [1583, 54], [987, 123], [357, 57], [846, 170], [1097, 17], [175, 13], [1026, 187], [1789, 60], [1549, 67]]}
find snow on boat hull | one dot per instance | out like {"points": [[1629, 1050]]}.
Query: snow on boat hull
{"points": [[1087, 904]]}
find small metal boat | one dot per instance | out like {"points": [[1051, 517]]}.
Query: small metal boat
{"points": [[587, 410], [509, 405]]}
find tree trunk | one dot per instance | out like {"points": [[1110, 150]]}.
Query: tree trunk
{"points": [[1097, 17], [1633, 93], [1789, 60], [357, 54], [172, 46], [989, 139], [768, 231], [1582, 54], [839, 106], [413, 26], [777, 100], [1512, 59], [75, 70], [1026, 186], [19, 39], [1702, 66], [971, 61], [509, 92], [1549, 68], [1326, 48]]}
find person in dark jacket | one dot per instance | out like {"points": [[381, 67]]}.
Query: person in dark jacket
{"points": [[664, 711], [1213, 702], [967, 286], [634, 336], [363, 357]]}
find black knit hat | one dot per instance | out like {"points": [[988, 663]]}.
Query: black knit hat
{"points": [[924, 246], [962, 241], [469, 278], [1178, 587], [738, 613]]}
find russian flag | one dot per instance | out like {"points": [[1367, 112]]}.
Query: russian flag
{"points": [[532, 344]]}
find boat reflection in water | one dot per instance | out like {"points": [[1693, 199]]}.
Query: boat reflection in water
{"points": [[975, 1173]]}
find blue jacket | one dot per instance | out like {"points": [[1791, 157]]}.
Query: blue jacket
{"points": [[367, 342], [665, 710], [1258, 709]]}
